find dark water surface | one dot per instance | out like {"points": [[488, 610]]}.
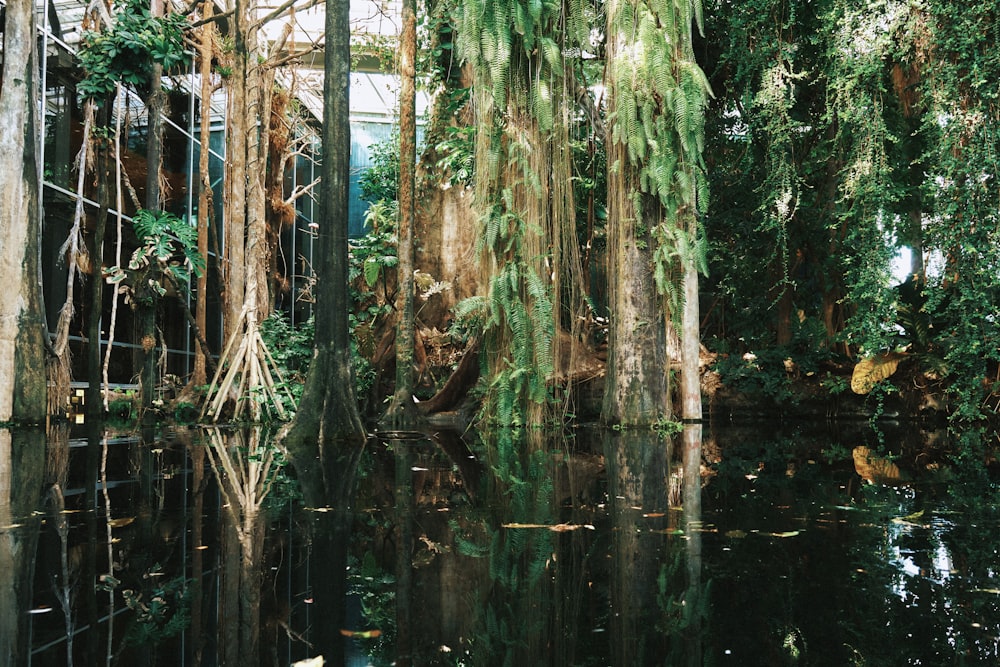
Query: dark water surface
{"points": [[760, 545]]}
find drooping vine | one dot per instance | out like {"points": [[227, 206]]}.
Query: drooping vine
{"points": [[523, 193]]}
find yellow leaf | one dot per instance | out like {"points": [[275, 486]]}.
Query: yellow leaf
{"points": [[869, 372], [874, 468]]}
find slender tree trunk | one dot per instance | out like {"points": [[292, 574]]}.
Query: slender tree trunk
{"points": [[199, 376], [402, 410], [691, 336], [154, 201], [95, 366], [234, 200], [22, 329]]}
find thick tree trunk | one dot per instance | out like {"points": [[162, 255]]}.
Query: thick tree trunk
{"points": [[636, 387], [328, 408], [326, 438], [22, 328], [636, 391], [401, 410]]}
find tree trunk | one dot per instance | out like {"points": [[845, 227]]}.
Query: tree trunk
{"points": [[326, 438], [328, 407], [235, 196], [95, 366], [636, 390], [22, 323], [401, 410], [147, 307], [199, 376], [691, 336]]}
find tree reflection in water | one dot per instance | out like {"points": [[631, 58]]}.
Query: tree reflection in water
{"points": [[604, 548]]}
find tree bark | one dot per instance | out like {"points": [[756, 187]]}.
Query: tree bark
{"points": [[636, 391], [401, 410], [326, 437], [199, 376], [95, 366], [691, 409], [235, 188], [22, 323], [328, 407]]}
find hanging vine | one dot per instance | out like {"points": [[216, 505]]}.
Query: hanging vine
{"points": [[522, 193], [659, 118]]}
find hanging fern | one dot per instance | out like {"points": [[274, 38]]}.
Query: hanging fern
{"points": [[661, 95]]}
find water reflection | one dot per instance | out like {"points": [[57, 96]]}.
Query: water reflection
{"points": [[22, 457], [196, 547]]}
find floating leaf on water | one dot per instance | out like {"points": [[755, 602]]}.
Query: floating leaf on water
{"points": [[362, 634], [787, 533], [557, 528]]}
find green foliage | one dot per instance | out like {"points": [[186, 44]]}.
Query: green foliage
{"points": [[456, 154], [292, 348], [762, 374], [160, 613], [380, 182], [660, 95], [126, 52], [167, 246]]}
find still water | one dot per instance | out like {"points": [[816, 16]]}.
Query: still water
{"points": [[759, 545]]}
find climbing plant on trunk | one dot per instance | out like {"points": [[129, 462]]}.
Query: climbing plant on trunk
{"points": [[657, 188], [522, 194]]}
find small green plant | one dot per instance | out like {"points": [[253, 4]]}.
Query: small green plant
{"points": [[291, 347], [380, 182], [168, 249], [457, 154], [160, 613], [835, 384], [666, 427]]}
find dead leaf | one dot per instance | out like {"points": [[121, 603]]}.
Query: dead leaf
{"points": [[869, 372], [556, 528], [875, 468]]}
